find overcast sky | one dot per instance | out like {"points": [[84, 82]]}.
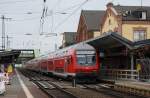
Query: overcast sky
{"points": [[62, 16]]}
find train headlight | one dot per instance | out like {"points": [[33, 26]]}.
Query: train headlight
{"points": [[94, 71]]}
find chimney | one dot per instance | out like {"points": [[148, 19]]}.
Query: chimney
{"points": [[110, 4]]}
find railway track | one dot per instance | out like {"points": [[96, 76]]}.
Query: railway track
{"points": [[63, 89], [48, 85], [53, 90]]}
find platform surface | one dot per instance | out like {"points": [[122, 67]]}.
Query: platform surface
{"points": [[135, 84], [16, 90], [132, 83]]}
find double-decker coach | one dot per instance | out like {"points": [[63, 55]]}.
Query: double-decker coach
{"points": [[79, 60]]}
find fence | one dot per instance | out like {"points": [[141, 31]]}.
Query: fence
{"points": [[117, 74], [144, 73]]}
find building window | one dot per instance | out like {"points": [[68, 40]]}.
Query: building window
{"points": [[139, 35], [143, 15], [109, 22]]}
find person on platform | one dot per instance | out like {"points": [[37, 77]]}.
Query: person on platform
{"points": [[10, 70]]}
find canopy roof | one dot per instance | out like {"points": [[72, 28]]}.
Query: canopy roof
{"points": [[8, 56], [110, 40]]}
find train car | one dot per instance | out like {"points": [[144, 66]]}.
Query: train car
{"points": [[80, 60]]}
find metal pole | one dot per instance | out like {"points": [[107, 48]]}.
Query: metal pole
{"points": [[132, 65], [3, 33], [7, 42], [74, 82], [141, 3]]}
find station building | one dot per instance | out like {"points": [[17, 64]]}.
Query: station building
{"points": [[121, 36], [68, 39], [131, 22], [90, 24]]}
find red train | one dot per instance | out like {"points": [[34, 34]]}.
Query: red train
{"points": [[80, 60]]}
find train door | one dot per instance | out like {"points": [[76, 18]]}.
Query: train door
{"points": [[50, 66], [67, 63]]}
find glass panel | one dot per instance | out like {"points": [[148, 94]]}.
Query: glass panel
{"points": [[81, 59], [142, 35], [86, 59], [91, 59], [139, 35]]}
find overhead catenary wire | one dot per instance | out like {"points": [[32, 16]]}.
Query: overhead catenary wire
{"points": [[63, 21], [56, 4], [18, 13], [26, 19], [52, 14], [19, 1], [69, 8]]}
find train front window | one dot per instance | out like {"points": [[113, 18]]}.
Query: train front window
{"points": [[81, 59], [90, 59], [86, 59]]}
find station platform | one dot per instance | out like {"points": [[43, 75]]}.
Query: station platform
{"points": [[134, 87], [135, 84], [21, 87]]}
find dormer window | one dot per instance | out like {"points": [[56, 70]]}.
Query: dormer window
{"points": [[143, 16], [140, 14]]}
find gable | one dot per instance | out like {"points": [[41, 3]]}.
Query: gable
{"points": [[110, 22], [93, 19]]}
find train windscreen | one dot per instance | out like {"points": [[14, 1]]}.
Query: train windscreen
{"points": [[86, 58]]}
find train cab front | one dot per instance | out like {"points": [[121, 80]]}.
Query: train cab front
{"points": [[86, 65]]}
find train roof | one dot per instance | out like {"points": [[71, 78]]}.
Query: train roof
{"points": [[78, 46]]}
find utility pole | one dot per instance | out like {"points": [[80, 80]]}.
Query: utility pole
{"points": [[8, 41], [141, 3], [3, 30]]}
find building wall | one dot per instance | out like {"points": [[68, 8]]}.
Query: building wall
{"points": [[82, 30], [96, 33], [110, 22], [127, 30]]}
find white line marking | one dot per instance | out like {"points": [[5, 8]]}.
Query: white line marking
{"points": [[24, 87]]}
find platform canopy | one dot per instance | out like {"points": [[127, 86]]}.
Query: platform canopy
{"points": [[142, 43], [8, 56], [110, 40]]}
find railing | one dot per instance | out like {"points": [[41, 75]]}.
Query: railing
{"points": [[144, 73], [118, 74], [144, 78]]}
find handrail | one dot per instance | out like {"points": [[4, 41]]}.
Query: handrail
{"points": [[120, 74]]}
